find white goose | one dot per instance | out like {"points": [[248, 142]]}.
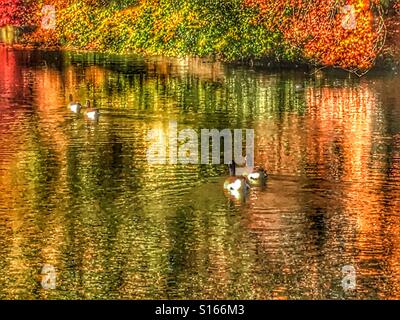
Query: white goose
{"points": [[74, 106]]}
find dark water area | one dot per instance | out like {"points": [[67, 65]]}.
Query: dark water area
{"points": [[81, 196]]}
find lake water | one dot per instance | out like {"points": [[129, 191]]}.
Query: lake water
{"points": [[81, 196]]}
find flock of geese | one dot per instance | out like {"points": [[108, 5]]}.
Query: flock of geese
{"points": [[76, 107], [241, 179]]}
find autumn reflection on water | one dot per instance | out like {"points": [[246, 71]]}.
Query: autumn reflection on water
{"points": [[82, 197]]}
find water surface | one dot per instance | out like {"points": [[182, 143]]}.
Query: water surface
{"points": [[82, 197]]}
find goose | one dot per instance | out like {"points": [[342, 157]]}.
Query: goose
{"points": [[237, 187], [92, 113], [298, 87], [74, 106], [256, 176]]}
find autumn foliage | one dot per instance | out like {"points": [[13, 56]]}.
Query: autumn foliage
{"points": [[13, 12], [341, 33], [396, 6]]}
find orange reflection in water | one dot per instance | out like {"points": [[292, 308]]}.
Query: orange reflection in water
{"points": [[341, 140]]}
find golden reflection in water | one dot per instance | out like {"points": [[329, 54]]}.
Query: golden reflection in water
{"points": [[197, 67]]}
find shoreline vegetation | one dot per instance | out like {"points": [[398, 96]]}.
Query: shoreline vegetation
{"points": [[355, 35]]}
